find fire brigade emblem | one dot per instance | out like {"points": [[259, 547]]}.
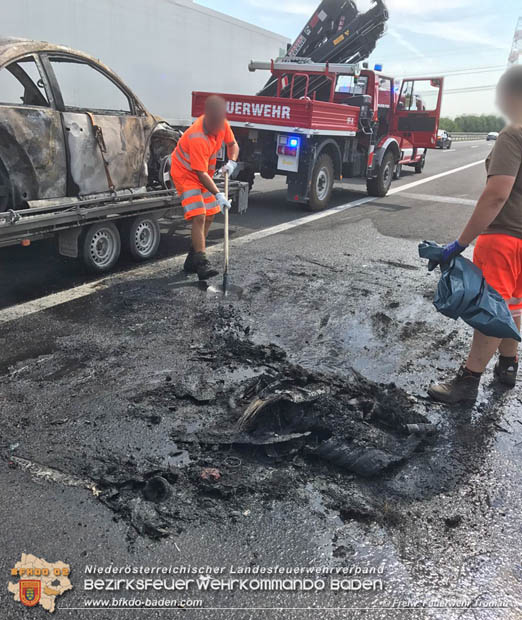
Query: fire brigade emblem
{"points": [[39, 582], [30, 592]]}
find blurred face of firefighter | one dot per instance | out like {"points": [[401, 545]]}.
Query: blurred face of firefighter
{"points": [[215, 114], [509, 94]]}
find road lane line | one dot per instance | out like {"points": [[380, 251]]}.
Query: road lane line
{"points": [[446, 199], [402, 188], [56, 299]]}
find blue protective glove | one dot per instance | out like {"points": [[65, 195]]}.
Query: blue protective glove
{"points": [[451, 250]]}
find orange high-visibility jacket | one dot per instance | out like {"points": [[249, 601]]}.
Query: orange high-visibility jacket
{"points": [[197, 150]]}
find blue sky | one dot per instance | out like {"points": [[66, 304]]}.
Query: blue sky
{"points": [[425, 37]]}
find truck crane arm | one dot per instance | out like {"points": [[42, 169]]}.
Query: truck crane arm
{"points": [[336, 33]]}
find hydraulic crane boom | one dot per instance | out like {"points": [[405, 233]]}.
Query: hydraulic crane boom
{"points": [[336, 33]]}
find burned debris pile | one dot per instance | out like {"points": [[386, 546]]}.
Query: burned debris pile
{"points": [[264, 438]]}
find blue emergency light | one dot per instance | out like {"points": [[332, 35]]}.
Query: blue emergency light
{"points": [[293, 143], [377, 67]]}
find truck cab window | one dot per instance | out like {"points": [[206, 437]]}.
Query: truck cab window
{"points": [[84, 87], [21, 84], [419, 95], [350, 85]]}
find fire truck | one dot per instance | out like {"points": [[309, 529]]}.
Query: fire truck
{"points": [[327, 116]]}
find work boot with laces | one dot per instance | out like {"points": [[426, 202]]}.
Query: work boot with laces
{"points": [[506, 370], [463, 388], [190, 266], [203, 267]]}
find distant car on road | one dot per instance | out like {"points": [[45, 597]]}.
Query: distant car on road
{"points": [[444, 140], [492, 135], [69, 127]]}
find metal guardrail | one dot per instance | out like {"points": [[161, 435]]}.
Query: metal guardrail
{"points": [[461, 136]]}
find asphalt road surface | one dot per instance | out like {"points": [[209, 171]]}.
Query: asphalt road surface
{"points": [[107, 384], [416, 213]]}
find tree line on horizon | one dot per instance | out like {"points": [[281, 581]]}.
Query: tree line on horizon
{"points": [[473, 123]]}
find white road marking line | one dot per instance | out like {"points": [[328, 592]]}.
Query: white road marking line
{"points": [[402, 188], [274, 230], [56, 299], [447, 199]]}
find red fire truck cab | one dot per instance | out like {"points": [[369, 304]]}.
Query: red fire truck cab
{"points": [[331, 122]]}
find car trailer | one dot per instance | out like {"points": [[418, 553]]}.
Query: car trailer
{"points": [[96, 230]]}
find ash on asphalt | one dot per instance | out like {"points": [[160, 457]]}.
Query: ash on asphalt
{"points": [[268, 428], [181, 412]]}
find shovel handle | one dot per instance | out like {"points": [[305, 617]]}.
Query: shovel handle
{"points": [[225, 267]]}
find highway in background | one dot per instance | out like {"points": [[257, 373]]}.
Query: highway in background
{"points": [[433, 205]]}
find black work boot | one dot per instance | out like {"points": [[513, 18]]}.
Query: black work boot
{"points": [[463, 388], [203, 267], [506, 370], [190, 266]]}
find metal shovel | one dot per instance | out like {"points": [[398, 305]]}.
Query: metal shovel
{"points": [[226, 289]]}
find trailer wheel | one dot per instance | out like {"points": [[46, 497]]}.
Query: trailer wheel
{"points": [[322, 183], [101, 247], [379, 185], [419, 167], [141, 237]]}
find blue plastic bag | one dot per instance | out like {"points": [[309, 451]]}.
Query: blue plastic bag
{"points": [[464, 293]]}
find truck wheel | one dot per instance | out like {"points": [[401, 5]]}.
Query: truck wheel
{"points": [[101, 247], [322, 183], [380, 185], [141, 237], [419, 167]]}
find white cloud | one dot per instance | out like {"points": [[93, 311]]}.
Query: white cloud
{"points": [[475, 32], [294, 7], [414, 7], [405, 43]]}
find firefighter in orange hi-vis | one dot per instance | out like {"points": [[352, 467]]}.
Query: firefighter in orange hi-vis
{"points": [[193, 167]]}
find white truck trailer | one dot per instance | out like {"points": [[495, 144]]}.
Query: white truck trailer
{"points": [[163, 49]]}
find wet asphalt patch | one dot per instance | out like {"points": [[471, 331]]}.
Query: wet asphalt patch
{"points": [[145, 398]]}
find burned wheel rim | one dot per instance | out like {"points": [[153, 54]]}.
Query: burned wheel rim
{"points": [[5, 191], [165, 178], [322, 184], [4, 196], [145, 238], [103, 247]]}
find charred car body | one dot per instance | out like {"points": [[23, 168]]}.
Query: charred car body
{"points": [[69, 127], [81, 159]]}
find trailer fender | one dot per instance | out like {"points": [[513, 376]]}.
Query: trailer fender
{"points": [[330, 147], [390, 144]]}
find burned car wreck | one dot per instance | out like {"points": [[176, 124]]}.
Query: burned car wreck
{"points": [[70, 128]]}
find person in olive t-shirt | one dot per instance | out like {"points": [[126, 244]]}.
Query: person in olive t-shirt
{"points": [[497, 222]]}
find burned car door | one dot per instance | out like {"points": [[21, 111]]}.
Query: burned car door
{"points": [[32, 150], [105, 130]]}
